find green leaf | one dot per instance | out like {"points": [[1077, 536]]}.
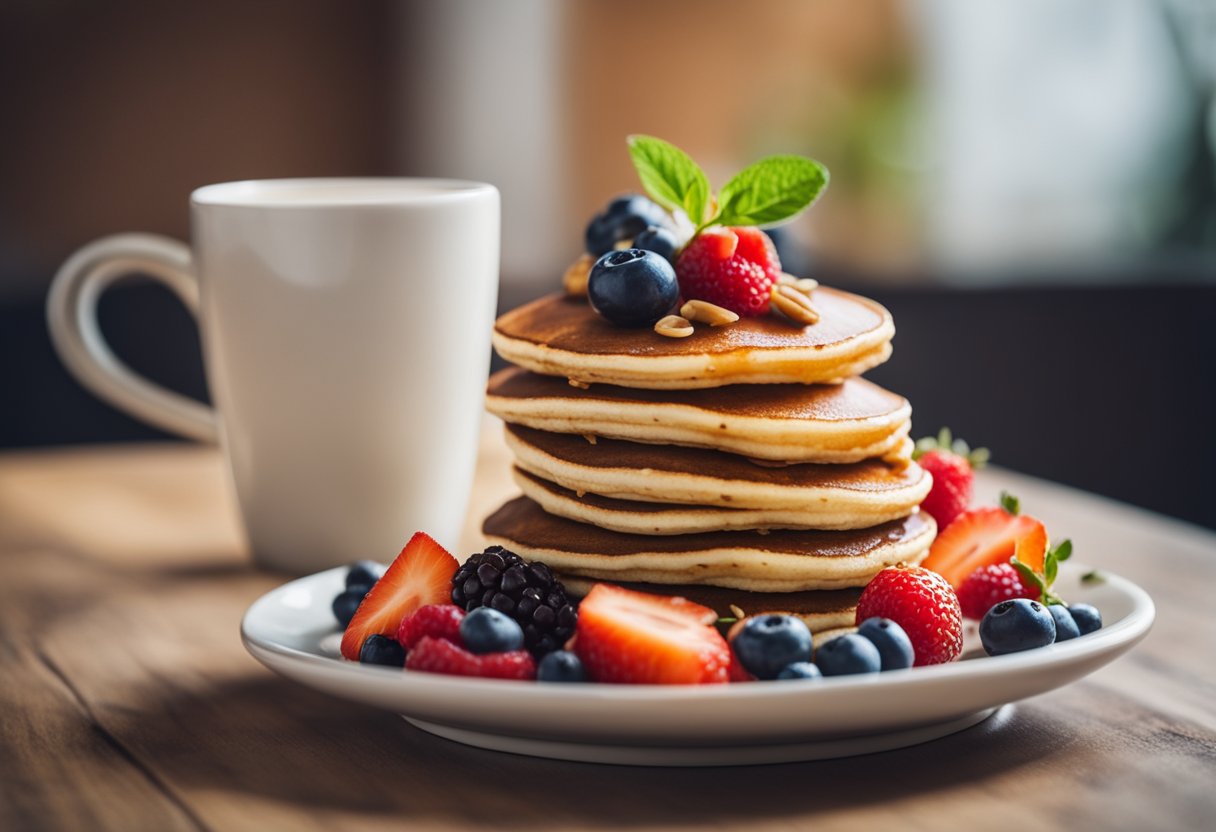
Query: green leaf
{"points": [[670, 176], [1064, 550], [771, 190], [979, 458], [1093, 576], [1011, 503], [1029, 575], [1051, 568]]}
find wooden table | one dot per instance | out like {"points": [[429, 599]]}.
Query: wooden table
{"points": [[128, 703]]}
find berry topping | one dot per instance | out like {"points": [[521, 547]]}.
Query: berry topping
{"points": [[923, 604], [952, 463], [345, 603], [420, 575], [800, 670], [848, 654], [486, 630], [561, 666], [382, 650], [632, 287], [363, 574], [434, 620], [659, 240], [436, 655], [984, 536], [1016, 625], [527, 592], [1066, 626], [766, 644], [623, 219], [988, 586], [734, 268], [1086, 617], [633, 637], [894, 646]]}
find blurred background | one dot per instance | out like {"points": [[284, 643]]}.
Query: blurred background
{"points": [[1029, 186]]}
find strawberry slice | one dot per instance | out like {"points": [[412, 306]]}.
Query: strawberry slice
{"points": [[421, 574], [982, 537], [629, 637]]}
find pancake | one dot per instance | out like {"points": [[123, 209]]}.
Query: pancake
{"points": [[562, 336], [807, 495], [826, 423], [780, 561]]}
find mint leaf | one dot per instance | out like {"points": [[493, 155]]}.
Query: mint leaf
{"points": [[1028, 575], [1051, 568], [1064, 550], [771, 190], [1011, 503], [670, 176]]}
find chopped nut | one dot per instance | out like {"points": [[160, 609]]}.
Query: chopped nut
{"points": [[581, 385], [707, 313], [590, 437], [575, 279], [673, 326], [803, 284], [794, 305], [737, 611]]}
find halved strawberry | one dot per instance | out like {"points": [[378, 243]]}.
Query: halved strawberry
{"points": [[985, 536], [630, 637], [421, 574]]}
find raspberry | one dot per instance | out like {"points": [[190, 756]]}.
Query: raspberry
{"points": [[924, 604], [987, 586], [437, 655], [517, 664], [734, 268], [434, 620], [952, 478]]}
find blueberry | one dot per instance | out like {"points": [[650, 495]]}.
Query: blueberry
{"points": [[486, 630], [767, 644], [1016, 625], [346, 603], [892, 642], [382, 650], [624, 218], [1066, 627], [659, 240], [363, 574], [1087, 618], [632, 287], [561, 666], [848, 654], [800, 670]]}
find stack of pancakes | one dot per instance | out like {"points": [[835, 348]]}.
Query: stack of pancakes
{"points": [[745, 467]]}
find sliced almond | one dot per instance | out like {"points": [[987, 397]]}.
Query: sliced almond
{"points": [[806, 285], [794, 305], [707, 313], [574, 281], [673, 326]]}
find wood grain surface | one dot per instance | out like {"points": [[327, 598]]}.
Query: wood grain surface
{"points": [[128, 703]]}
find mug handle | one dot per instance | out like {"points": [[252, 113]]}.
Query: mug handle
{"points": [[72, 317]]}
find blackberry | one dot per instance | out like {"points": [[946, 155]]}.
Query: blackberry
{"points": [[527, 592]]}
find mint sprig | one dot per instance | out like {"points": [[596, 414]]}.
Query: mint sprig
{"points": [[1043, 581], [771, 190]]}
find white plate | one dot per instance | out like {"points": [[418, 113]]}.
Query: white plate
{"points": [[291, 630]]}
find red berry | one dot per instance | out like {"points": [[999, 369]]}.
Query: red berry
{"points": [[988, 586], [435, 620], [924, 604], [737, 672], [437, 655], [952, 479], [734, 268], [986, 535], [517, 664]]}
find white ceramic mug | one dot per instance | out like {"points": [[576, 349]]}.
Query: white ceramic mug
{"points": [[345, 327]]}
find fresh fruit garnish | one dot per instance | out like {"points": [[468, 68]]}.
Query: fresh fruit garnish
{"points": [[382, 650], [632, 287], [988, 586], [434, 620], [848, 654], [800, 670], [421, 574], [659, 240], [1087, 618], [767, 644], [437, 655], [486, 630], [952, 463], [1016, 625], [561, 666], [923, 603], [346, 603], [1066, 625], [1042, 578], [623, 219], [632, 637], [984, 536], [894, 646], [734, 268], [525, 591]]}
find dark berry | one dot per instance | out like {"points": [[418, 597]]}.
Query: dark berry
{"points": [[363, 574], [561, 666], [623, 219], [800, 670], [892, 642], [632, 287], [659, 240], [848, 654], [346, 603], [1066, 626], [382, 650], [1087, 618], [487, 630], [768, 643], [1015, 625]]}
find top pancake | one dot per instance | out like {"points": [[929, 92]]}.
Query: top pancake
{"points": [[560, 335]]}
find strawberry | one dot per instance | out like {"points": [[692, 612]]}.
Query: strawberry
{"points": [[438, 655], [435, 620], [734, 268], [634, 637], [737, 672], [952, 464], [421, 574], [920, 601], [987, 586], [985, 536]]}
